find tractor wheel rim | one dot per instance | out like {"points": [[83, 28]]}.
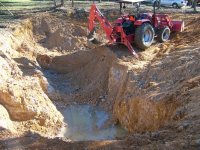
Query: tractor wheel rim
{"points": [[166, 35], [148, 37]]}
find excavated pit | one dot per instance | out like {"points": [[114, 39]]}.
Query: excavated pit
{"points": [[55, 67], [75, 80], [97, 77], [55, 83]]}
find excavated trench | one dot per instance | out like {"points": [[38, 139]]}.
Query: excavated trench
{"points": [[78, 82], [86, 85], [58, 84], [96, 78]]}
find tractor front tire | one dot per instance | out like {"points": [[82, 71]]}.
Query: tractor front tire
{"points": [[144, 36], [164, 34]]}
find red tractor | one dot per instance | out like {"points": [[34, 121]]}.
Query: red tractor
{"points": [[139, 29]]}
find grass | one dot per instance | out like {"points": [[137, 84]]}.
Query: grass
{"points": [[15, 0], [20, 8], [17, 5], [14, 5], [24, 7]]}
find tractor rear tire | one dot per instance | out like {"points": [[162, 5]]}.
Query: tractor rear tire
{"points": [[164, 34], [144, 36]]}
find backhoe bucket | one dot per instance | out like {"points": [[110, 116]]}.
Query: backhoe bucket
{"points": [[91, 35]]}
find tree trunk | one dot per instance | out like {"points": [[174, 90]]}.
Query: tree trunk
{"points": [[62, 2], [120, 8], [195, 5], [54, 3]]}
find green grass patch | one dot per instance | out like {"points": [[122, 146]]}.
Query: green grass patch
{"points": [[14, 1], [13, 5]]}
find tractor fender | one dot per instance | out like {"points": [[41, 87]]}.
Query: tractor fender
{"points": [[140, 22]]}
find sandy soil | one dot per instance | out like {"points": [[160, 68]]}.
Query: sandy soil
{"points": [[47, 64]]}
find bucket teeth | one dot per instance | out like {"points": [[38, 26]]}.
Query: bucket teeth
{"points": [[91, 35]]}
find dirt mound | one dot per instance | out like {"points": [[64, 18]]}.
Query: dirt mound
{"points": [[21, 91], [56, 34], [152, 96], [190, 36], [192, 30], [5, 122]]}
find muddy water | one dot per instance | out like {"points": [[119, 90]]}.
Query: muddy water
{"points": [[87, 122]]}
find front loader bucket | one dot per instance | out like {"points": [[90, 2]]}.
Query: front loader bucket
{"points": [[178, 26]]}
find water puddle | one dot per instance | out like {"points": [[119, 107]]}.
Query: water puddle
{"points": [[87, 122]]}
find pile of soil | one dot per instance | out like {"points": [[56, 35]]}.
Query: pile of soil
{"points": [[55, 34], [191, 34], [21, 89]]}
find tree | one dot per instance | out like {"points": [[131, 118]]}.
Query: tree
{"points": [[72, 3], [62, 2], [194, 5], [54, 3]]}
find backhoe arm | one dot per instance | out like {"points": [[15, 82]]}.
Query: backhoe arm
{"points": [[95, 14]]}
